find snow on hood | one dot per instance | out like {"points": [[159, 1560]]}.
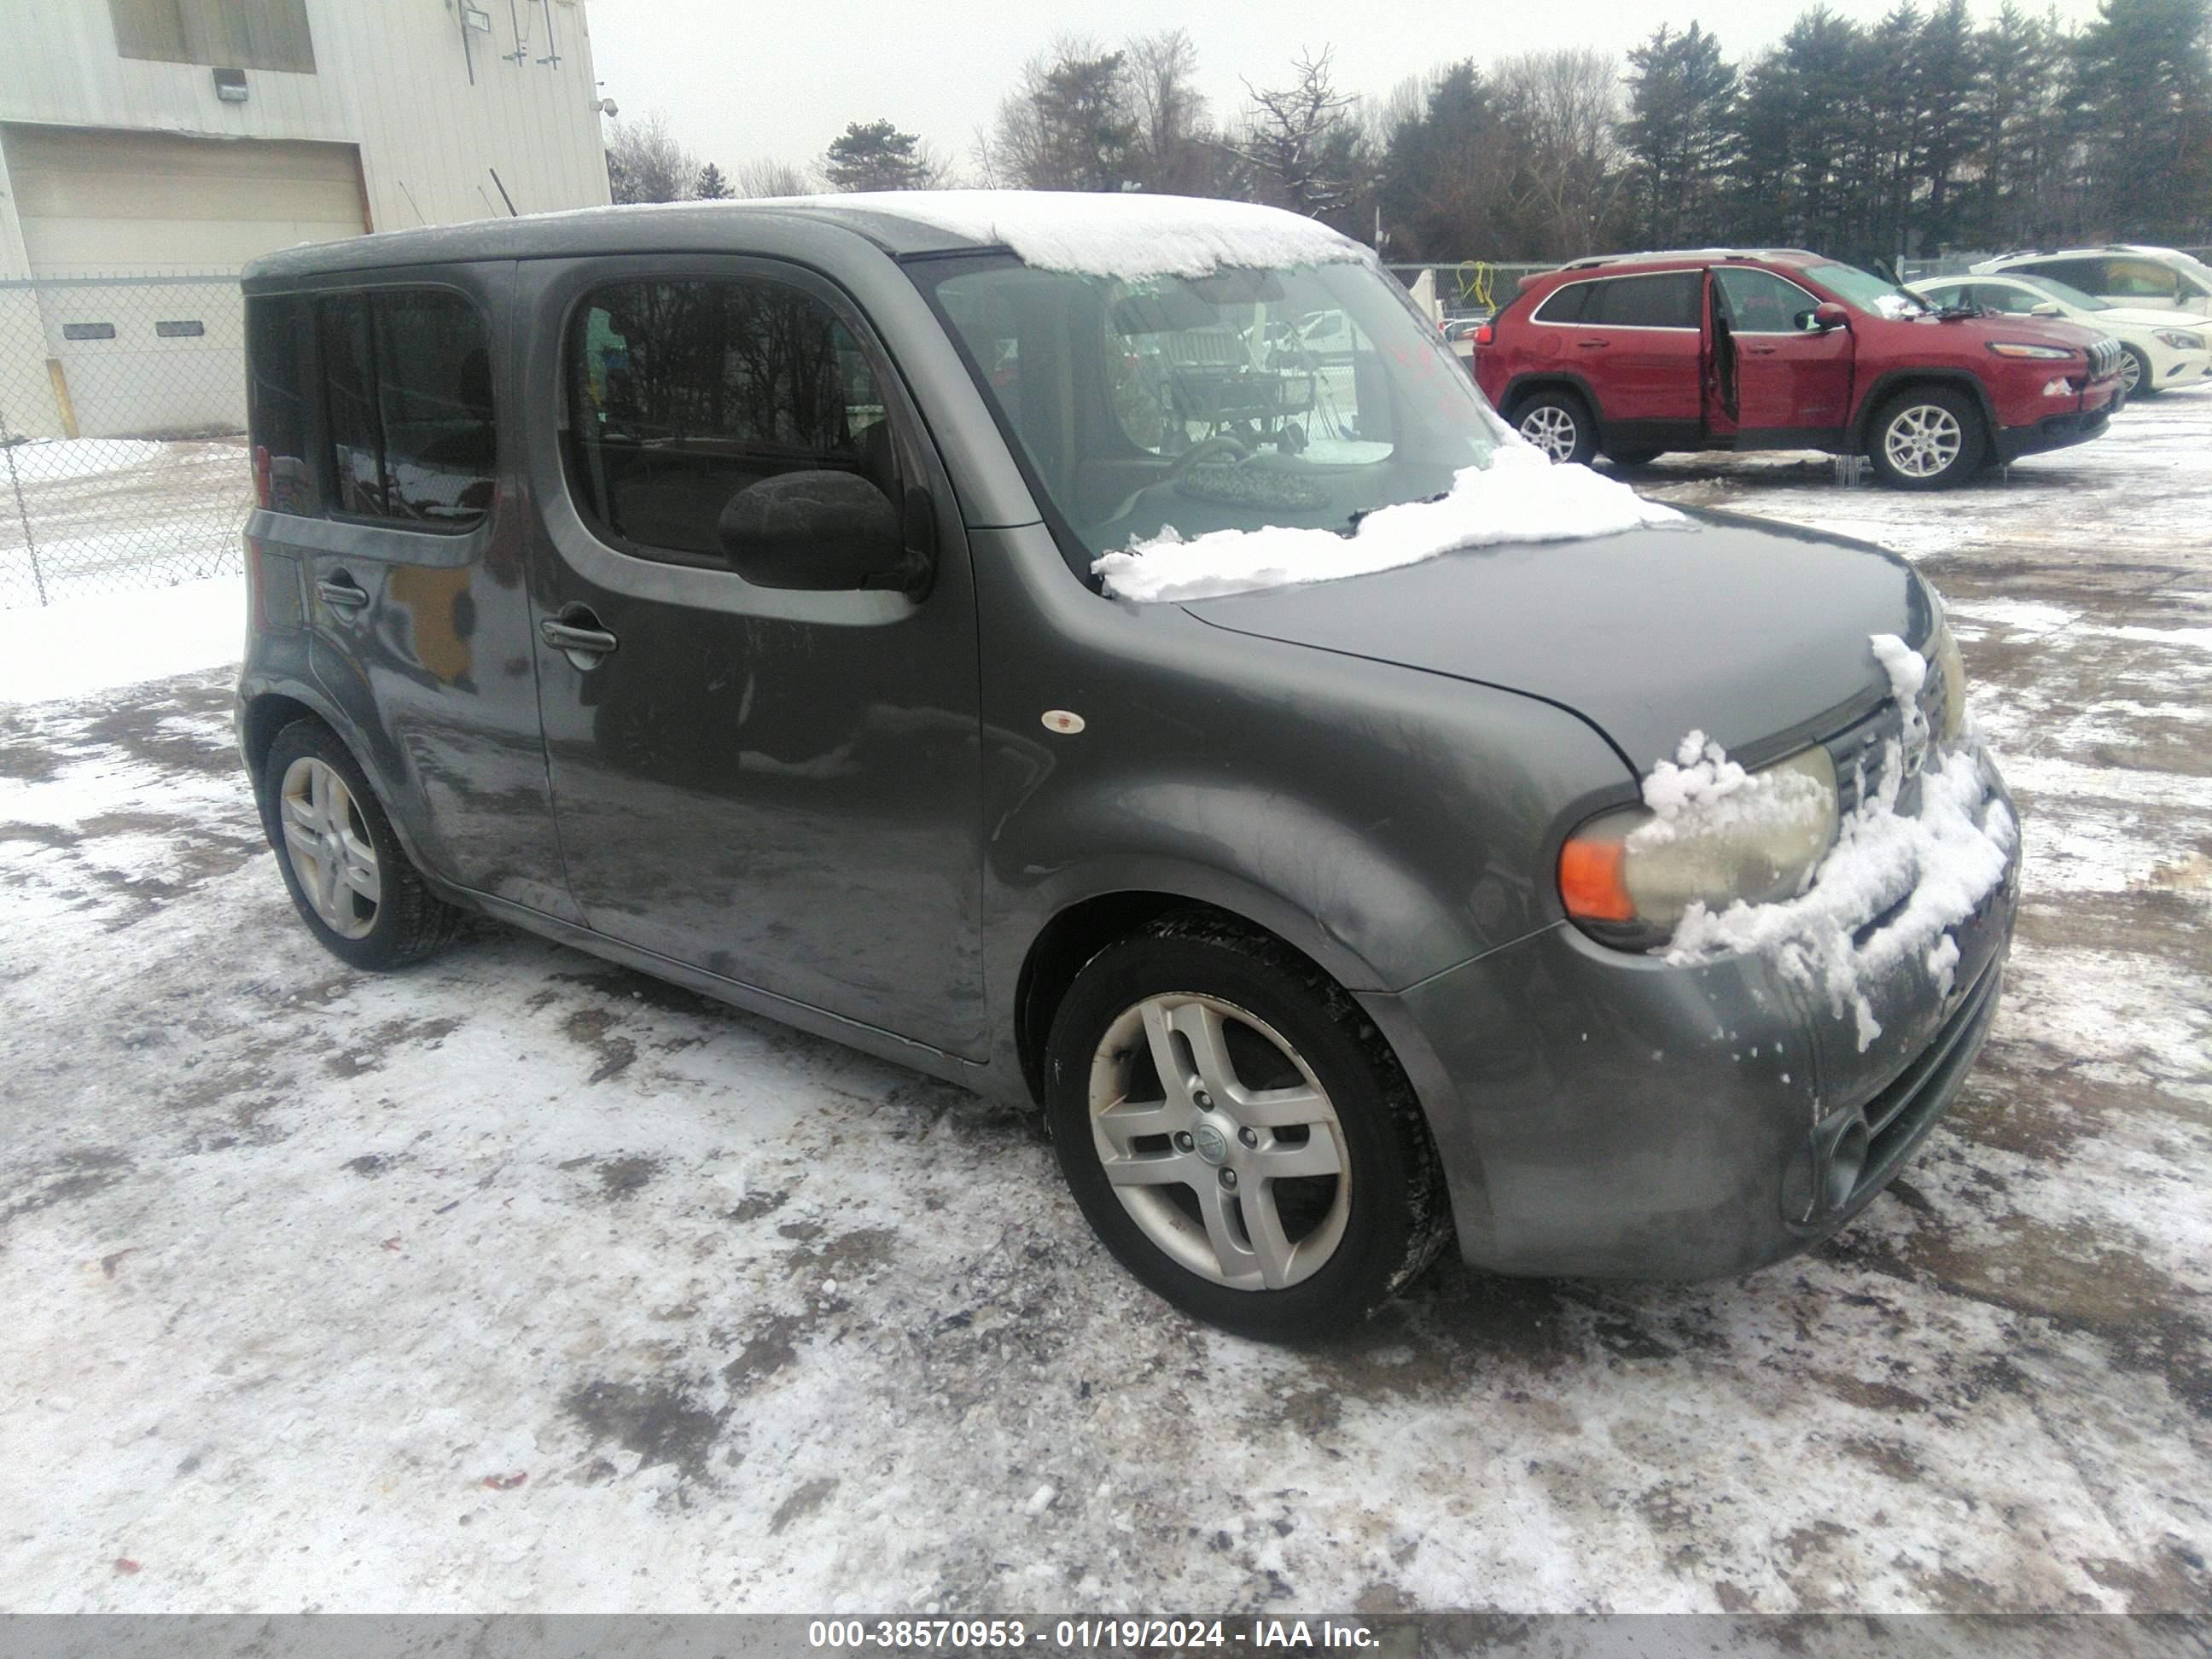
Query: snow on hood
{"points": [[1519, 497], [1132, 236], [1939, 863]]}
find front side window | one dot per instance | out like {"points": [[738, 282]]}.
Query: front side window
{"points": [[2088, 274], [407, 391], [1759, 302], [1248, 397], [683, 393], [2140, 279]]}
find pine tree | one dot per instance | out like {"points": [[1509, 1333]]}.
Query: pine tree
{"points": [[2142, 89], [711, 186], [1680, 136], [877, 155], [1440, 169]]}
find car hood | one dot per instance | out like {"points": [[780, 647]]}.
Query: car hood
{"points": [[2134, 317], [2073, 332], [1739, 628]]}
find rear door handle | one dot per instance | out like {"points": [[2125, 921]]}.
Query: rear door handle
{"points": [[1592, 345], [1762, 351], [577, 635], [340, 591]]}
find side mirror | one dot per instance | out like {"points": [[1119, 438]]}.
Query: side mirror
{"points": [[824, 532], [1829, 315], [2045, 309]]}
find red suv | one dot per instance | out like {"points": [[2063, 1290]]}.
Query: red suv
{"points": [[1642, 353]]}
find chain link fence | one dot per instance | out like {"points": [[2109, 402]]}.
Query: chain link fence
{"points": [[123, 460]]}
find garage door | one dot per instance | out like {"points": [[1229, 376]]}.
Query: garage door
{"points": [[141, 355], [95, 202]]}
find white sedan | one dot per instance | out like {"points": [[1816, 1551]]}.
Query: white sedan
{"points": [[2161, 349]]}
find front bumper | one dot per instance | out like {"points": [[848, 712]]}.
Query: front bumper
{"points": [[1601, 1113], [2055, 431]]}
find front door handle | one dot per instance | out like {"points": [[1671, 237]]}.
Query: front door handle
{"points": [[1762, 351], [340, 591], [577, 635], [1592, 345]]}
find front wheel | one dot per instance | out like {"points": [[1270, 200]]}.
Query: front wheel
{"points": [[2138, 378], [1558, 424], [1927, 438], [1238, 1133]]}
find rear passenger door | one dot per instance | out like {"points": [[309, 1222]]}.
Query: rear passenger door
{"points": [[1643, 334], [378, 461], [777, 787]]}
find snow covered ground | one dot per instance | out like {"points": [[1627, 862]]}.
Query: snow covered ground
{"points": [[82, 517], [524, 1282]]}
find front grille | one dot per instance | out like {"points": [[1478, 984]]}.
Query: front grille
{"points": [[1863, 750], [2104, 358]]}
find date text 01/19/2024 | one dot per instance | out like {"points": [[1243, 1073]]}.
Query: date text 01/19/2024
{"points": [[945, 1635]]}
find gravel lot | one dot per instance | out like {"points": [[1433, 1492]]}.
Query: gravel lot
{"points": [[522, 1281]]}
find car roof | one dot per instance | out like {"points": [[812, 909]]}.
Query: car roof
{"points": [[658, 227], [2141, 250], [1784, 255]]}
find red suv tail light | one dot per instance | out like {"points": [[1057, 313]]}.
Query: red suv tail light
{"points": [[1485, 335]]}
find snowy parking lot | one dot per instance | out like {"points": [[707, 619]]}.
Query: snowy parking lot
{"points": [[522, 1281]]}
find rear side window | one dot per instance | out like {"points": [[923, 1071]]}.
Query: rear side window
{"points": [[2087, 275], [1665, 300], [1566, 305], [407, 389], [683, 393], [276, 403]]}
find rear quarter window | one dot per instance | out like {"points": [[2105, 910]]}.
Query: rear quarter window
{"points": [[276, 401], [1569, 303]]}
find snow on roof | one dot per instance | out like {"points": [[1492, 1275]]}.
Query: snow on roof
{"points": [[1520, 496], [1132, 236]]}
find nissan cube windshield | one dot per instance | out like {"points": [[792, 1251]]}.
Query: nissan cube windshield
{"points": [[1243, 400]]}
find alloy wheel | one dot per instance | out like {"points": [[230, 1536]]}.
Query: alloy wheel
{"points": [[1219, 1141], [1552, 430], [1923, 440], [332, 854], [2131, 373]]}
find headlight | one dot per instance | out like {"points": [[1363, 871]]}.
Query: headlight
{"points": [[1632, 874], [1951, 668], [2021, 348], [2175, 340]]}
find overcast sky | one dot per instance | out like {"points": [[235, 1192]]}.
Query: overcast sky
{"points": [[741, 80]]}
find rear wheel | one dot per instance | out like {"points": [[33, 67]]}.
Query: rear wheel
{"points": [[1238, 1133], [2137, 379], [347, 875], [1558, 424], [1927, 438]]}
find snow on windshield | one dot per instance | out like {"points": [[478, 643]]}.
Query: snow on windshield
{"points": [[1520, 496], [1939, 864], [1131, 237]]}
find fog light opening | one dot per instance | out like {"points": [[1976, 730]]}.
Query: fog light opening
{"points": [[1846, 1162]]}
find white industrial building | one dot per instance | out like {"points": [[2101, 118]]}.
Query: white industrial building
{"points": [[151, 139]]}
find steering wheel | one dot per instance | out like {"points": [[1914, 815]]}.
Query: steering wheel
{"points": [[1200, 451]]}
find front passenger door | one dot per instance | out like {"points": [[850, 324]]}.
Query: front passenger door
{"points": [[775, 786]]}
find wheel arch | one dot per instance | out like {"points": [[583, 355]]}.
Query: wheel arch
{"points": [[1891, 382], [1553, 379]]}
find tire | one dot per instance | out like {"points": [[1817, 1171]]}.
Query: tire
{"points": [[368, 905], [1927, 438], [1358, 1209], [2138, 378], [1633, 458], [1558, 424]]}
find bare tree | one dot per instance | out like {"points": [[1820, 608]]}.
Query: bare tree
{"points": [[1066, 126], [1174, 148], [646, 164], [1301, 147], [771, 178], [1563, 108]]}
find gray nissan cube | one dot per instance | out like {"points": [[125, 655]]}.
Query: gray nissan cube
{"points": [[1104, 651]]}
